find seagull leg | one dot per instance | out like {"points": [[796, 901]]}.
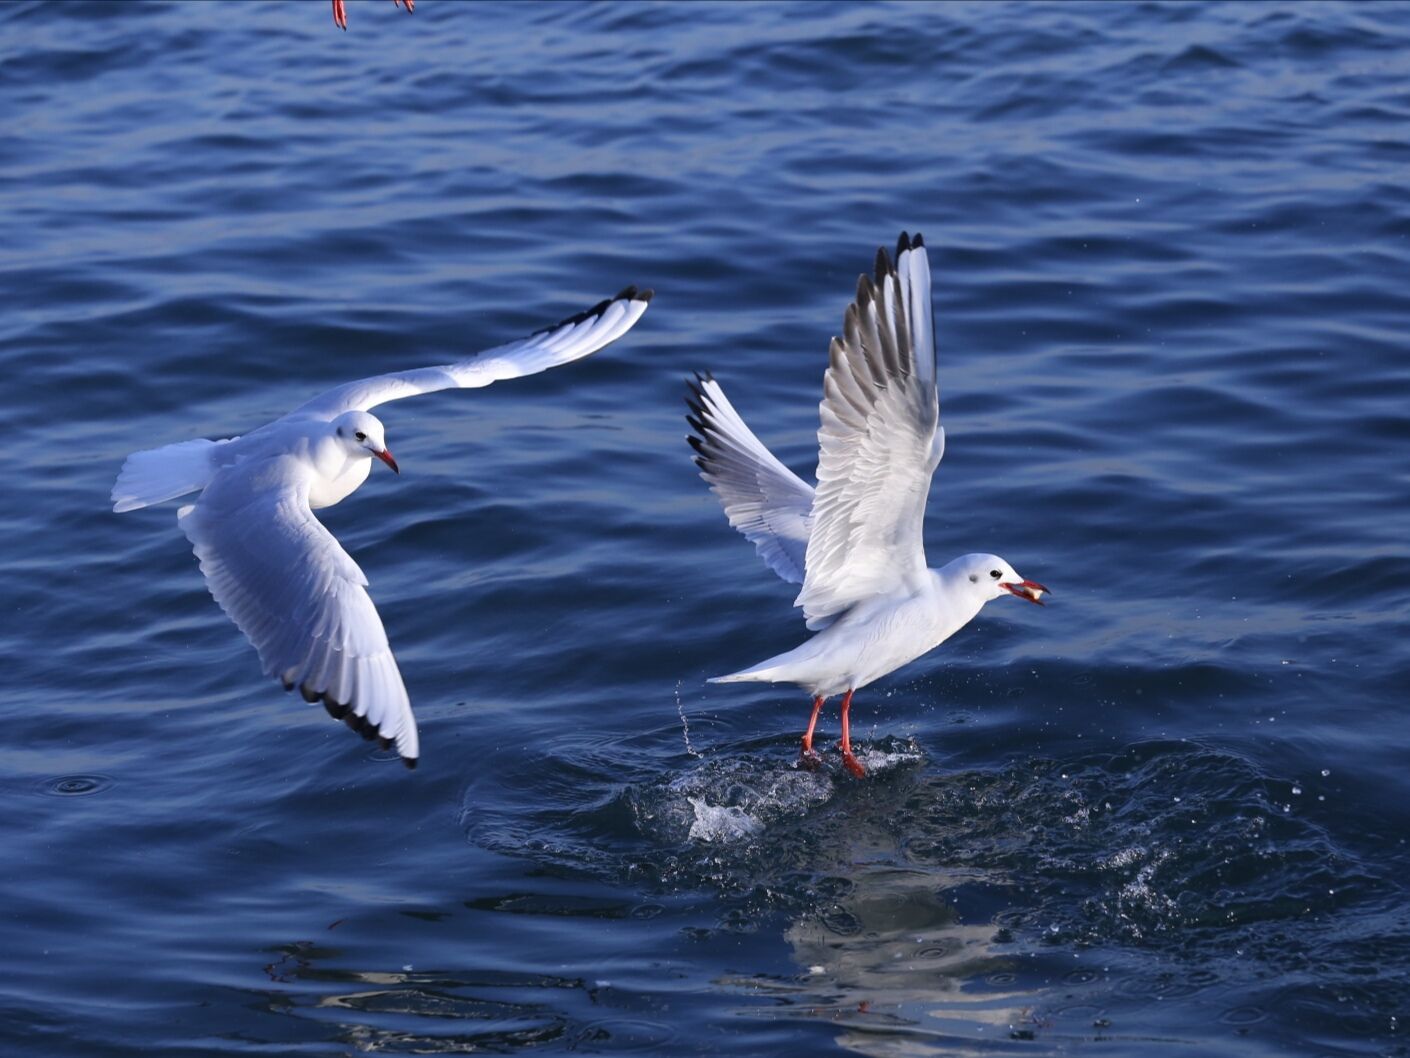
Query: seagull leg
{"points": [[809, 756], [849, 761], [340, 13]]}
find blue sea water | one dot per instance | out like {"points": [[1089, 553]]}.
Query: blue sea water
{"points": [[1166, 815]]}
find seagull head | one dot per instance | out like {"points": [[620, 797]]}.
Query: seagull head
{"points": [[994, 578], [363, 435]]}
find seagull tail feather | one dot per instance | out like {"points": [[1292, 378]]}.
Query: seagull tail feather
{"points": [[163, 474], [755, 675]]}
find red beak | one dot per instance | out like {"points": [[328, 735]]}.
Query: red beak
{"points": [[1028, 589], [386, 457]]}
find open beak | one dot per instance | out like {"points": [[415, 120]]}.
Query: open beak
{"points": [[1028, 589], [386, 457]]}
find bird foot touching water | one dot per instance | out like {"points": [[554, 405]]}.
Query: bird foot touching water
{"points": [[853, 765], [809, 759]]}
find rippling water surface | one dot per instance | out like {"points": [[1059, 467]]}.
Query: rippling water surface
{"points": [[1169, 811]]}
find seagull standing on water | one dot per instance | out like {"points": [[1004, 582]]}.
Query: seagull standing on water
{"points": [[855, 542], [273, 567]]}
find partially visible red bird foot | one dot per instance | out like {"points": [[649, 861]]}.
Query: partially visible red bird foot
{"points": [[810, 759], [853, 765], [340, 13]]}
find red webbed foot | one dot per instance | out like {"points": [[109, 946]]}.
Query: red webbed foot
{"points": [[853, 765], [849, 760], [807, 756]]}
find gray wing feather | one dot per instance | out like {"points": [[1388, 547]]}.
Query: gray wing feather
{"points": [[879, 441], [762, 498]]}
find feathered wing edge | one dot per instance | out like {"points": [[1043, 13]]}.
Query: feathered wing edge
{"points": [[762, 498], [878, 441], [570, 339], [312, 622]]}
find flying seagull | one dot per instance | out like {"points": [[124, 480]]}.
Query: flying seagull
{"points": [[855, 541], [273, 567]]}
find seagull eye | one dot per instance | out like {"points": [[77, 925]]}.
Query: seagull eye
{"points": [[362, 437], [995, 574]]}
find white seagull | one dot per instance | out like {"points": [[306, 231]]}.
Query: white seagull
{"points": [[855, 542], [273, 567]]}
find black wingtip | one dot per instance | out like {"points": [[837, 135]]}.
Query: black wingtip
{"points": [[918, 241], [410, 763], [628, 294], [363, 726], [631, 293], [337, 710], [883, 265], [696, 386], [902, 245]]}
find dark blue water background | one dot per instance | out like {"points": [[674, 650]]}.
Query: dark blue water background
{"points": [[1171, 262]]}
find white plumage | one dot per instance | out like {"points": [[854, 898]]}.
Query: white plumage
{"points": [[271, 565], [855, 543]]}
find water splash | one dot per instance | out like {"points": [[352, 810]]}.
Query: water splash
{"points": [[685, 724]]}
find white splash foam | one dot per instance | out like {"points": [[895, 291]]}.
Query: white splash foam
{"points": [[714, 823]]}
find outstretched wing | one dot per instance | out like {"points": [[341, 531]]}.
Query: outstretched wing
{"points": [[299, 598], [880, 441], [572, 339], [762, 498]]}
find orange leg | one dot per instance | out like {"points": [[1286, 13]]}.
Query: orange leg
{"points": [[809, 755], [849, 761], [340, 13]]}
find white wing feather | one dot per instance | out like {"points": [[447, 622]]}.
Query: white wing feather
{"points": [[571, 339], [879, 442], [762, 498], [299, 598]]}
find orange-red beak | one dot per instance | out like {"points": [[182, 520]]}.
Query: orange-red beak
{"points": [[1028, 589], [386, 457]]}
